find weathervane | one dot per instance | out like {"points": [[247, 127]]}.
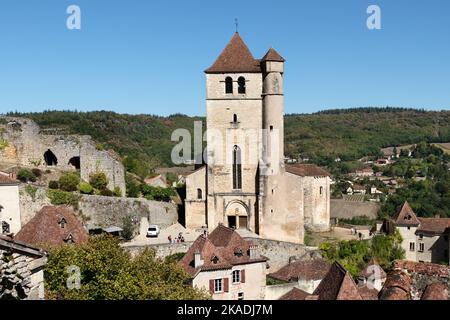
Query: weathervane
{"points": [[236, 22]]}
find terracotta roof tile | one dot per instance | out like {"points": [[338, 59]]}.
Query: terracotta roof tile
{"points": [[424, 268], [397, 287], [45, 228], [306, 170], [435, 291], [222, 249], [406, 216], [368, 294], [303, 270], [338, 284], [5, 180], [295, 294], [434, 225], [272, 55], [235, 58]]}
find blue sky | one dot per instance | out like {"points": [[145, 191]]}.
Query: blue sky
{"points": [[149, 56]]}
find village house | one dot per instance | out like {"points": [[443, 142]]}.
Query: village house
{"points": [[424, 239], [53, 225], [366, 172], [21, 270], [372, 276], [10, 222], [306, 274], [230, 267], [356, 189], [158, 181]]}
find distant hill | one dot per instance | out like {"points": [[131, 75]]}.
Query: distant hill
{"points": [[144, 140]]}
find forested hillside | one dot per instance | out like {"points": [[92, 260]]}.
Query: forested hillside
{"points": [[144, 140]]}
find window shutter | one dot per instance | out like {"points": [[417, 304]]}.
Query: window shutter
{"points": [[243, 275], [211, 286], [225, 285]]}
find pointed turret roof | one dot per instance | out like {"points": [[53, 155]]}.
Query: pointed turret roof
{"points": [[272, 55], [236, 57], [406, 216]]}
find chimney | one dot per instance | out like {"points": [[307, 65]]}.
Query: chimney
{"points": [[254, 252], [198, 262]]}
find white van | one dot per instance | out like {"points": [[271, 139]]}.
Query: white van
{"points": [[153, 231]]}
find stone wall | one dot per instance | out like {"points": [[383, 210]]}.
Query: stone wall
{"points": [[27, 146], [21, 275], [105, 211]]}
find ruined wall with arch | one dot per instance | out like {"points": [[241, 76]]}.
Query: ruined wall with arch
{"points": [[27, 145]]}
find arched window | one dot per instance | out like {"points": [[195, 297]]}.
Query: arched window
{"points": [[235, 119], [241, 85], [199, 194], [237, 170], [228, 85]]}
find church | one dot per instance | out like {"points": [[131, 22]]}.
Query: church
{"points": [[245, 183]]}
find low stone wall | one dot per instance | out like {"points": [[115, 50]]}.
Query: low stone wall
{"points": [[104, 211], [161, 250]]}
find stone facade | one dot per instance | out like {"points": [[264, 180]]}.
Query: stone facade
{"points": [[21, 271], [28, 146], [245, 183]]}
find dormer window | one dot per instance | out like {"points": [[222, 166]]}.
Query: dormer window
{"points": [[241, 85], [62, 222], [215, 259], [69, 239], [228, 85], [238, 252]]}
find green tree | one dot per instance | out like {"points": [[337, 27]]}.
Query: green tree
{"points": [[108, 272], [128, 228], [26, 175]]}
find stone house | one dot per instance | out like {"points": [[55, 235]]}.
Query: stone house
{"points": [[230, 267], [424, 239], [372, 276], [158, 181], [306, 274], [21, 270], [10, 219], [246, 183], [53, 226]]}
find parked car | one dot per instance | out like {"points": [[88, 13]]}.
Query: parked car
{"points": [[153, 231]]}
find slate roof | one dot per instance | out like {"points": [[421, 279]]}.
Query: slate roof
{"points": [[45, 228], [338, 284], [406, 216], [224, 244], [307, 270], [295, 294], [235, 58], [306, 170]]}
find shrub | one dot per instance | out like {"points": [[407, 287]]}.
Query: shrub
{"points": [[59, 197], [157, 193], [31, 191], [37, 172], [106, 193], [69, 182], [132, 187], [26, 175], [98, 180], [3, 144], [128, 228], [117, 192], [53, 184], [85, 188]]}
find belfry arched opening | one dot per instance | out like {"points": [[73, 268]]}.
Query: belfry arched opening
{"points": [[50, 158]]}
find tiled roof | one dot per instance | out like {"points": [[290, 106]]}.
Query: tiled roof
{"points": [[235, 58], [315, 269], [435, 291], [434, 225], [306, 170], [338, 284], [5, 180], [221, 249], [295, 294], [368, 294], [272, 55], [397, 287], [406, 216], [424, 268], [45, 228], [373, 269]]}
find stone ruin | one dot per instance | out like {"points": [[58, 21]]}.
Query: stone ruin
{"points": [[23, 143]]}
